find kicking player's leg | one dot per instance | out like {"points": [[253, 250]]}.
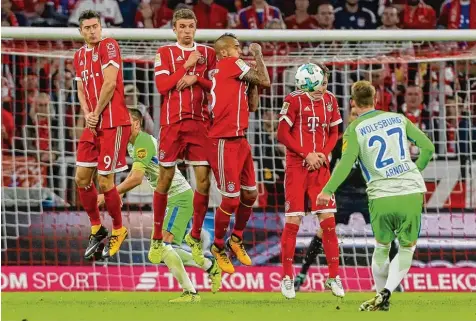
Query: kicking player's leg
{"points": [[169, 151], [86, 163], [407, 231], [112, 159], [248, 196]]}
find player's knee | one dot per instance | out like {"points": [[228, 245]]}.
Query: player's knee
{"points": [[166, 175], [106, 182], [293, 220], [82, 178], [249, 197], [406, 243], [325, 216], [203, 181], [230, 204]]}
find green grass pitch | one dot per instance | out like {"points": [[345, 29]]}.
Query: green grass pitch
{"points": [[122, 306]]}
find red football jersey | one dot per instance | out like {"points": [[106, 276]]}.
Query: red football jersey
{"points": [[229, 107], [89, 64], [310, 122], [422, 17], [192, 101]]}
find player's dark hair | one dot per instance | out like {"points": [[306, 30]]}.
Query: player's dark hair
{"points": [[89, 14], [136, 115], [183, 14], [324, 69], [220, 43], [363, 93]]}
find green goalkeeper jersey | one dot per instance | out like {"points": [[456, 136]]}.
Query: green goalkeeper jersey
{"points": [[144, 156], [380, 141]]}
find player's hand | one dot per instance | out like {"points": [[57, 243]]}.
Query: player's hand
{"points": [[255, 49], [186, 81], [100, 199], [323, 158], [92, 120], [91, 128], [252, 64], [323, 199], [313, 161], [192, 59]]}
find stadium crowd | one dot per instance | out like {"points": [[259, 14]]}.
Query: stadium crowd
{"points": [[30, 94]]}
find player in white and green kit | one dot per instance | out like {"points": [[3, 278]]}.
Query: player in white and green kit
{"points": [[142, 149], [395, 186]]}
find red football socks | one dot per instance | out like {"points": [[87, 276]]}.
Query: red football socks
{"points": [[330, 244], [89, 199], [200, 207], [112, 199], [222, 221], [288, 246], [242, 217], [160, 206]]}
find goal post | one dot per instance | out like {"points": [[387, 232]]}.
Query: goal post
{"points": [[44, 229]]}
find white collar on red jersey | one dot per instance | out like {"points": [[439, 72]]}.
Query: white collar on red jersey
{"points": [[187, 49]]}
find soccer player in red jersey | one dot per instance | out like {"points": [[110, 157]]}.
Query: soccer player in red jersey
{"points": [[103, 144], [182, 76], [308, 127], [235, 95]]}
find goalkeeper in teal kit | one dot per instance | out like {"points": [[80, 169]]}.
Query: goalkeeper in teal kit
{"points": [[395, 186], [142, 149]]}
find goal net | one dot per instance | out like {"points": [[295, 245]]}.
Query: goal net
{"points": [[45, 230]]}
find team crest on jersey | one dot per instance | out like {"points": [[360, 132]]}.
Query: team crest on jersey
{"points": [[95, 57], [230, 186], [81, 63], [241, 64], [201, 60], [329, 106], [158, 60], [141, 153], [161, 155], [287, 206], [284, 109]]}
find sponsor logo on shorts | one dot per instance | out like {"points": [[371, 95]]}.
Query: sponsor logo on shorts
{"points": [[230, 186], [161, 155], [287, 206], [141, 153]]}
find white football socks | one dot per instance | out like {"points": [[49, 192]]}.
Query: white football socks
{"points": [[175, 265], [380, 265], [399, 267], [187, 259]]}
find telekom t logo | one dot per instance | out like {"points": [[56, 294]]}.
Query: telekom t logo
{"points": [[312, 123], [147, 281]]}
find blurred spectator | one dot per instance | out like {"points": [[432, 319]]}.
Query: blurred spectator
{"points": [[10, 18], [458, 14], [272, 48], [8, 130], [376, 74], [467, 138], [44, 15], [62, 93], [27, 94], [210, 15], [301, 19], [325, 16], [258, 15], [108, 9], [354, 16], [128, 10], [65, 7], [40, 136], [390, 18], [153, 14], [417, 15], [131, 96]]}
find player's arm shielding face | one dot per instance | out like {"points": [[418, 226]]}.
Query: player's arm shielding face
{"points": [[350, 152], [107, 91]]}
